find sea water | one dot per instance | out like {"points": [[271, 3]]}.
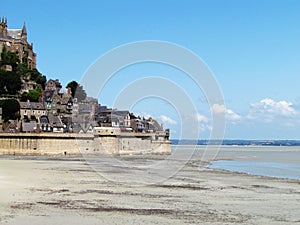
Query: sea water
{"points": [[272, 169], [273, 161], [281, 162]]}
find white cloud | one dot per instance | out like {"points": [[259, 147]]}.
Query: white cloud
{"points": [[268, 105], [203, 122], [194, 124], [218, 108], [268, 110], [229, 113], [200, 118], [167, 120]]}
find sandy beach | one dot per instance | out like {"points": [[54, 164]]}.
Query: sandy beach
{"points": [[70, 191]]}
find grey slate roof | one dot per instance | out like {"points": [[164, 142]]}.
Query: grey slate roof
{"points": [[32, 105], [29, 127], [120, 113], [14, 33], [55, 121]]}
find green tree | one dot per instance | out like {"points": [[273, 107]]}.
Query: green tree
{"points": [[10, 109], [34, 74], [41, 80], [32, 96], [31, 74], [2, 81], [13, 83], [23, 71], [77, 90], [9, 58], [10, 82]]}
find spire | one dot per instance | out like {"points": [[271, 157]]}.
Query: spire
{"points": [[3, 27], [24, 29], [24, 32], [4, 20]]}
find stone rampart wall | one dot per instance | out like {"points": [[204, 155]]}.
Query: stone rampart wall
{"points": [[78, 144]]}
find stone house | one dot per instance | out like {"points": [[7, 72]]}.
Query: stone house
{"points": [[56, 124], [28, 85], [82, 124], [11, 126], [145, 125], [86, 128], [29, 127], [65, 105], [120, 118], [107, 117], [32, 110], [58, 101], [138, 125], [53, 85], [45, 125]]}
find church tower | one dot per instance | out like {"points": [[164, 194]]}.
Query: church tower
{"points": [[15, 40], [3, 27]]}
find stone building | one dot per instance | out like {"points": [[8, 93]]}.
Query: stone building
{"points": [[15, 40], [58, 100], [32, 110], [53, 85]]}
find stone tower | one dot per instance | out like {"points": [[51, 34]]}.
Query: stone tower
{"points": [[3, 27]]}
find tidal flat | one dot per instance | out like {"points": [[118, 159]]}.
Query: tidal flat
{"points": [[39, 190]]}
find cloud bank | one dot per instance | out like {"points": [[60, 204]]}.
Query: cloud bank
{"points": [[267, 110], [230, 115], [166, 120]]}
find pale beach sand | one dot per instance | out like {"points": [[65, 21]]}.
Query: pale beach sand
{"points": [[44, 191]]}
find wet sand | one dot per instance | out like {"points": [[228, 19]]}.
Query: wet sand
{"points": [[69, 191]]}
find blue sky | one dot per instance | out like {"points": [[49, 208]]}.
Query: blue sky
{"points": [[252, 48]]}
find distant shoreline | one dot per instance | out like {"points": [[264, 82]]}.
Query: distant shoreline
{"points": [[238, 142]]}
